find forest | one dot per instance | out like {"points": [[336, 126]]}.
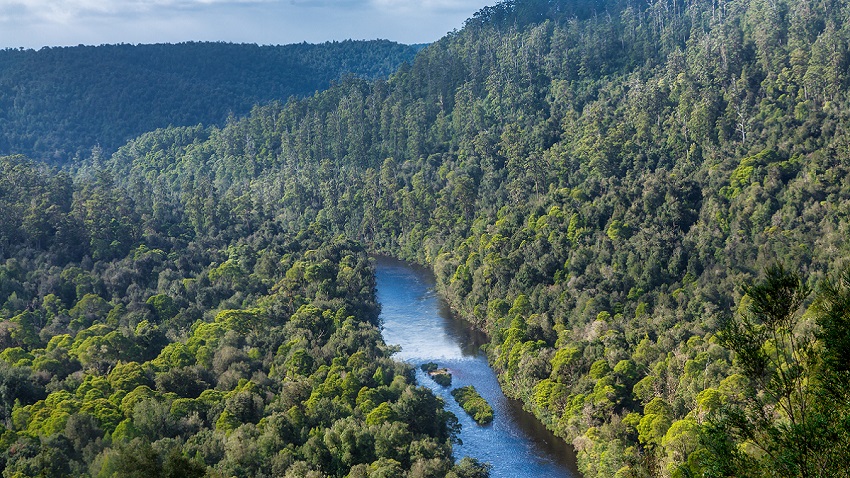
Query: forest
{"points": [[144, 353], [57, 103], [644, 205]]}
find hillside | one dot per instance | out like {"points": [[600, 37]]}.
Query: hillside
{"points": [[594, 188], [644, 205], [130, 352], [57, 103]]}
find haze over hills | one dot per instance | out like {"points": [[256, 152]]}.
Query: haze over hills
{"points": [[57, 103], [644, 205]]}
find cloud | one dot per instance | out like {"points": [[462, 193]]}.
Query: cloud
{"points": [[36, 23], [427, 5], [65, 11], [329, 3]]}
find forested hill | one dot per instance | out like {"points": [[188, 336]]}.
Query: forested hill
{"points": [[594, 184], [644, 205], [56, 103]]}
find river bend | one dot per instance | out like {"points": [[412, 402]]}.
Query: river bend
{"points": [[415, 318]]}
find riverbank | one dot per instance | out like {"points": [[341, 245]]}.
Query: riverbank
{"points": [[417, 319]]}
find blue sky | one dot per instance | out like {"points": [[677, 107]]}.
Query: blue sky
{"points": [[37, 23]]}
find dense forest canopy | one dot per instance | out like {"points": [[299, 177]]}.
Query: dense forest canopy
{"points": [[644, 205], [129, 351], [58, 103]]}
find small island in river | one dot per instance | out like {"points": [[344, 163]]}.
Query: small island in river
{"points": [[474, 404], [440, 375]]}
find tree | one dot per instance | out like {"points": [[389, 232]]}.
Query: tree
{"points": [[777, 411], [469, 468], [136, 459], [163, 307], [832, 312]]}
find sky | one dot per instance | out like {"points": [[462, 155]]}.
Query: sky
{"points": [[38, 23]]}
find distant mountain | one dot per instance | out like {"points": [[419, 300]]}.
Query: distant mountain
{"points": [[645, 206], [56, 103]]}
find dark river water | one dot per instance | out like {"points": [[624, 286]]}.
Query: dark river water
{"points": [[417, 319]]}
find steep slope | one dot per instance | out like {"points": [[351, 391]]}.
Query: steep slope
{"points": [[126, 351], [594, 183], [56, 103]]}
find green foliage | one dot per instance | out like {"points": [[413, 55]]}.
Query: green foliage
{"points": [[473, 404], [656, 421], [787, 410], [833, 312], [440, 375], [468, 467], [183, 85], [591, 184], [240, 321], [589, 193], [225, 376], [429, 367], [163, 306]]}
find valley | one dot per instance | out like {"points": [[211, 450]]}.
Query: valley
{"points": [[640, 208]]}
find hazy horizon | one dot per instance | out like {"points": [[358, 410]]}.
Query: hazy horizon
{"points": [[38, 23]]}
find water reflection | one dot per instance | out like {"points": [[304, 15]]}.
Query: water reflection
{"points": [[415, 318]]}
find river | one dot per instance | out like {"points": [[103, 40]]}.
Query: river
{"points": [[416, 318]]}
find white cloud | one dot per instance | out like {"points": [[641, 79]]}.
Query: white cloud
{"points": [[427, 5], [328, 3], [65, 11], [36, 23]]}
